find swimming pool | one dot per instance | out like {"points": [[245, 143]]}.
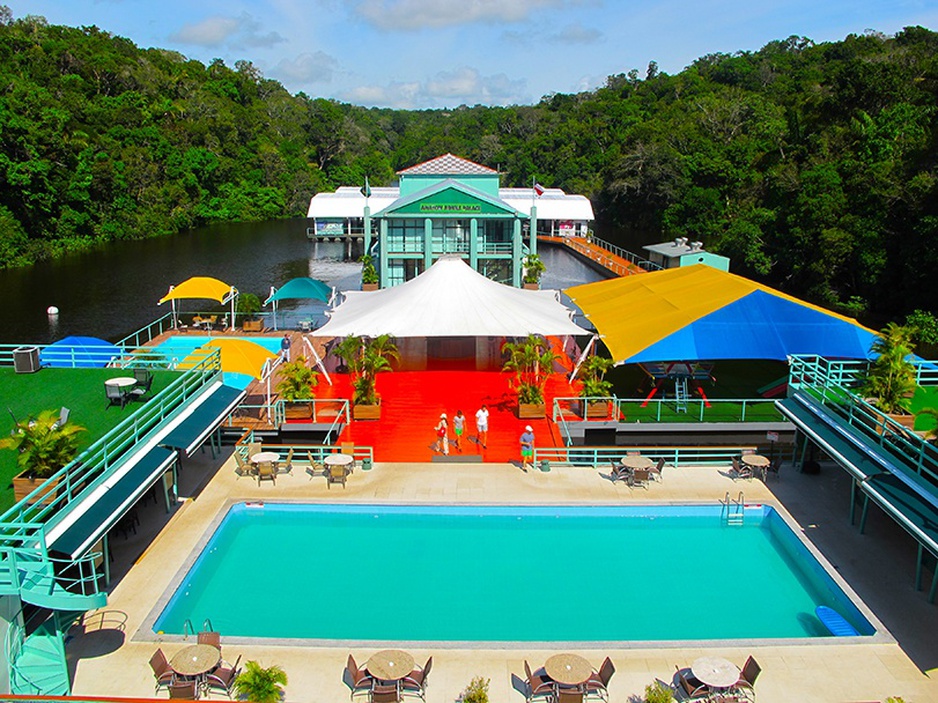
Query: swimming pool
{"points": [[181, 346], [504, 574]]}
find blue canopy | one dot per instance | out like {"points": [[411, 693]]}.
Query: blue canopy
{"points": [[78, 352], [304, 287]]}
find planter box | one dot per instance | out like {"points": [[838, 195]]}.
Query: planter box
{"points": [[366, 412], [531, 412], [904, 419], [597, 409], [23, 486], [531, 286], [252, 326], [369, 286], [298, 411]]}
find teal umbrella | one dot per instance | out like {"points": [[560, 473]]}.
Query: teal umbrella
{"points": [[299, 288]]}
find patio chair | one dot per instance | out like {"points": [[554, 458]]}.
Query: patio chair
{"points": [[336, 474], [570, 695], [690, 687], [63, 418], [144, 381], [639, 478], [740, 470], [254, 448], [357, 678], [243, 468], [772, 469], [210, 637], [416, 680], [184, 690], [597, 684], [115, 396], [223, 678], [316, 468], [618, 472], [385, 693], [656, 471], [348, 448], [266, 472], [162, 671], [747, 677], [287, 467], [537, 685]]}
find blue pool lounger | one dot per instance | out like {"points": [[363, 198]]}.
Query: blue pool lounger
{"points": [[834, 622]]}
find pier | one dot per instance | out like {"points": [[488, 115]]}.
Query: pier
{"points": [[610, 257]]}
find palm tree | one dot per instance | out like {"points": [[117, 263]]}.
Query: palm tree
{"points": [[365, 359], [890, 379], [530, 359], [259, 685], [44, 446], [297, 380]]}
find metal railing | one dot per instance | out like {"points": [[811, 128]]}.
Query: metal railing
{"points": [[302, 452], [818, 371], [606, 408], [584, 246], [602, 457]]}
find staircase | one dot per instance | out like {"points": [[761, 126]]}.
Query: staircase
{"points": [[37, 661], [680, 394]]}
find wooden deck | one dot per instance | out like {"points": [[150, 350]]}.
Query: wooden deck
{"points": [[584, 247]]}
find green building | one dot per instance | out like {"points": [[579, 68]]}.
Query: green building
{"points": [[449, 205]]}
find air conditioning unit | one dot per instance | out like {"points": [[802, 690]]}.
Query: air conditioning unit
{"points": [[26, 359]]}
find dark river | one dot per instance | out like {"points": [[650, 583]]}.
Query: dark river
{"points": [[113, 291]]}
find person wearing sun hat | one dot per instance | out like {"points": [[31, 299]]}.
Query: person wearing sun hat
{"points": [[442, 430], [527, 447]]}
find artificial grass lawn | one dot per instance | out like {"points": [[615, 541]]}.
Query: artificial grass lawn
{"points": [[924, 398], [79, 390]]}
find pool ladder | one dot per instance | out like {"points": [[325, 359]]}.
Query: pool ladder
{"points": [[733, 510], [188, 629]]}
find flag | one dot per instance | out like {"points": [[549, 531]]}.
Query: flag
{"points": [[538, 189], [366, 189]]}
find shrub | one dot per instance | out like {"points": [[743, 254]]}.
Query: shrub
{"points": [[476, 692], [658, 692], [257, 684]]}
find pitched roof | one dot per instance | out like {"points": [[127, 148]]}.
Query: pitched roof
{"points": [[448, 165]]}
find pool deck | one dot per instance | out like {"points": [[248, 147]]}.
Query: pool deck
{"points": [[879, 566]]}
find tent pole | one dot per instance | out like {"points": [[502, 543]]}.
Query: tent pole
{"points": [[234, 294], [579, 361]]}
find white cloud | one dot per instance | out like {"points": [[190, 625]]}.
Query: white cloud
{"points": [[237, 32], [419, 14], [465, 85], [576, 34], [306, 68]]}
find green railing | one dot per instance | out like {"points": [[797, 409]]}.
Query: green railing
{"points": [[334, 411], [818, 371], [611, 408], [74, 357], [602, 457], [24, 549], [94, 464], [303, 452]]}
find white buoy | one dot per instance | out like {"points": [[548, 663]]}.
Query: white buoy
{"points": [[52, 310]]}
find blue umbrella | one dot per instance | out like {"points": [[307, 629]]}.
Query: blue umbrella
{"points": [[79, 352]]}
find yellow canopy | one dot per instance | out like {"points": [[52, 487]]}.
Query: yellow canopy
{"points": [[199, 287], [242, 356], [634, 312]]}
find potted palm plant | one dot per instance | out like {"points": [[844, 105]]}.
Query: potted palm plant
{"points": [[531, 360], [594, 385], [890, 378], [369, 273], [533, 270], [257, 684], [365, 359], [297, 381], [44, 447], [248, 306]]}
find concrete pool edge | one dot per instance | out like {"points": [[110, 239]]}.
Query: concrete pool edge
{"points": [[145, 632]]}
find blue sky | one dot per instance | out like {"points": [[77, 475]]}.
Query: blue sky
{"points": [[443, 53]]}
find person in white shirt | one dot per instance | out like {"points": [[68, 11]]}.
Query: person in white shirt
{"points": [[482, 426]]}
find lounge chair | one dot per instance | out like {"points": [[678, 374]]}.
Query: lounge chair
{"points": [[597, 684], [266, 472], [639, 478], [287, 467], [336, 474], [223, 678], [184, 690], [161, 669], [747, 677], [691, 688], [416, 680], [357, 679], [210, 637], [537, 685], [316, 468], [115, 395]]}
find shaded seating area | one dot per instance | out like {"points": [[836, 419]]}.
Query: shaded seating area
{"points": [[387, 677], [714, 678], [196, 670]]}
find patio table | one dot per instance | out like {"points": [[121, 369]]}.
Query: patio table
{"points": [[634, 461], [195, 660], [338, 459], [390, 664], [264, 456], [715, 672], [568, 669], [756, 461]]}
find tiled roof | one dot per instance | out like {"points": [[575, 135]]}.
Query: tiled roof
{"points": [[448, 165]]}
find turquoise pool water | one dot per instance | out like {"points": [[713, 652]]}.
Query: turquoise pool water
{"points": [[180, 346], [447, 573]]}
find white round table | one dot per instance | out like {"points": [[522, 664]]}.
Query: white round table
{"points": [[716, 672], [121, 382], [390, 664], [636, 462], [756, 461], [568, 669], [337, 459], [264, 456]]}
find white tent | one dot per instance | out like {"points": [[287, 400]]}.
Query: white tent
{"points": [[451, 300]]}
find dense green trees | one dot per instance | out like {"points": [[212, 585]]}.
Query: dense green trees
{"points": [[811, 166]]}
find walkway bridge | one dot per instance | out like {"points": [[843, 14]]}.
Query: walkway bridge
{"points": [[889, 464], [54, 542], [614, 259]]}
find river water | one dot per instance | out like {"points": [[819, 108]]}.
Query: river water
{"points": [[112, 291]]}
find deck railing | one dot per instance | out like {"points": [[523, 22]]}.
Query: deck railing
{"points": [[629, 410], [302, 452], [818, 371], [603, 457]]}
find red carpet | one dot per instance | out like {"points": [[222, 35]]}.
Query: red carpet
{"points": [[411, 403]]}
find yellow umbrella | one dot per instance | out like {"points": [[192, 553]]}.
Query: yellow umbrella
{"points": [[242, 356]]}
